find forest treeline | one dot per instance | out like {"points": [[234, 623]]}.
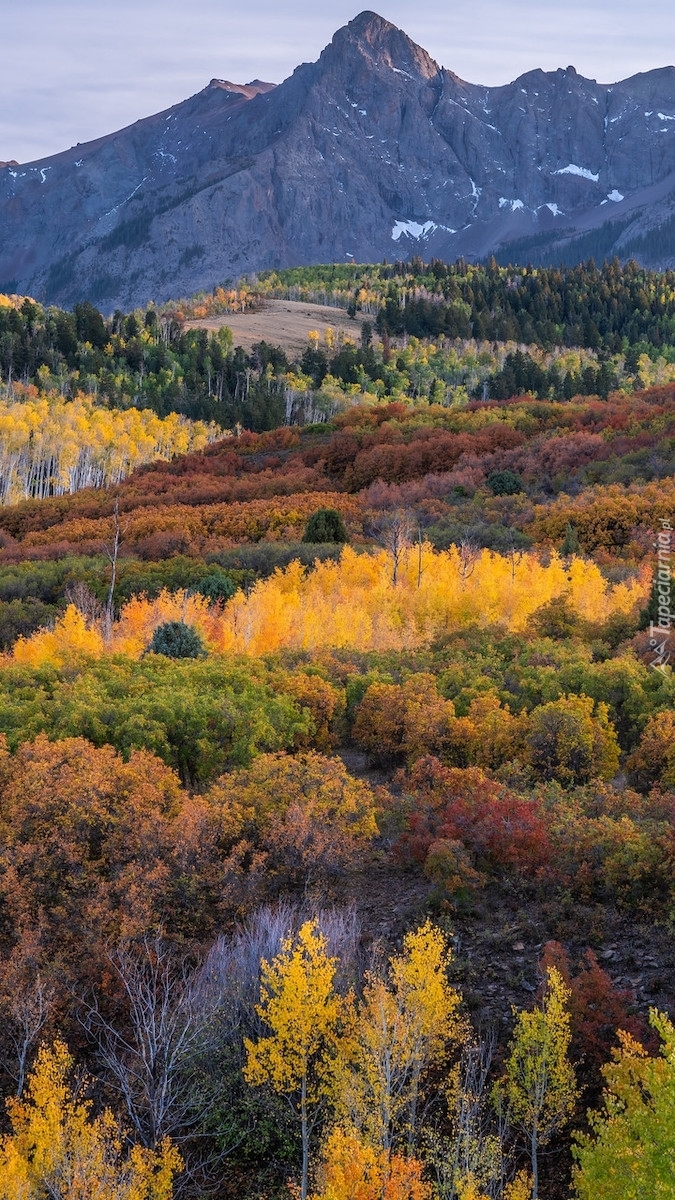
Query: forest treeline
{"points": [[496, 332], [609, 307]]}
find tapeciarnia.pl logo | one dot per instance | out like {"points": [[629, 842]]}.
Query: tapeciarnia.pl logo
{"points": [[660, 632]]}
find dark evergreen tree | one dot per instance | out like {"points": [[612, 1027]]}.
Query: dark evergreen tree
{"points": [[571, 544], [215, 587], [325, 525], [505, 483], [175, 639]]}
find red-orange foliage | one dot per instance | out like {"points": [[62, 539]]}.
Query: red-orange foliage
{"points": [[653, 761], [402, 722], [383, 454], [180, 528], [607, 516], [597, 1007], [393, 446], [293, 817], [324, 702], [94, 848], [500, 828]]}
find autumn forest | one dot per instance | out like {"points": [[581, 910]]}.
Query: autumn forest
{"points": [[337, 742]]}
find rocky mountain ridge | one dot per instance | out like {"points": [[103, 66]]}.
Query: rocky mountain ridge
{"points": [[373, 151]]}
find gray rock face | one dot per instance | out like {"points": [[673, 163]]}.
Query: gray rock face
{"points": [[373, 151]]}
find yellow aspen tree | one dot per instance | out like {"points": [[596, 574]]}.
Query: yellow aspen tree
{"points": [[519, 1188], [403, 1024], [299, 1004], [57, 1148], [630, 1153], [470, 1189], [540, 1083], [51, 446], [71, 639], [353, 1170]]}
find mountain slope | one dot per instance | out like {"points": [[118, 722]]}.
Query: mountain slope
{"points": [[372, 151]]}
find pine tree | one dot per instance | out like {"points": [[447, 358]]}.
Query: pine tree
{"points": [[571, 544], [175, 639], [325, 525]]}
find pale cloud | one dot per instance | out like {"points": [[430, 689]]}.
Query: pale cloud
{"points": [[73, 70]]}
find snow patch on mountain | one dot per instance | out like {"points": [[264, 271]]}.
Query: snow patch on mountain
{"points": [[414, 230], [582, 172]]}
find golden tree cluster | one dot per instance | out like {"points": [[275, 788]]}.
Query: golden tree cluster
{"points": [[50, 446]]}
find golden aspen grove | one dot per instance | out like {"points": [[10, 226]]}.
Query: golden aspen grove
{"points": [[337, 773], [49, 446]]}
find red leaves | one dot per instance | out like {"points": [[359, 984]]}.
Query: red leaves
{"points": [[597, 1007], [500, 828]]}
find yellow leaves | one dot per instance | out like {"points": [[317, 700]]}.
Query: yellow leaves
{"points": [[469, 1189], [630, 1154], [540, 1083], [353, 1170], [354, 604], [57, 1148], [50, 446], [298, 1003], [140, 618], [152, 1172], [70, 639], [419, 976], [350, 604], [520, 1188], [401, 1026]]}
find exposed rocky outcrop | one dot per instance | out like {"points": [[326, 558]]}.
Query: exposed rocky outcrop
{"points": [[373, 151]]}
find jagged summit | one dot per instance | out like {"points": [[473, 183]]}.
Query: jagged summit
{"points": [[384, 44], [372, 151], [369, 24]]}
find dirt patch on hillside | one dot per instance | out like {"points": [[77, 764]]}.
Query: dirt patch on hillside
{"points": [[284, 323]]}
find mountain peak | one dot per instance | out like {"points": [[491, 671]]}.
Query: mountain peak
{"points": [[384, 45], [369, 23], [370, 152]]}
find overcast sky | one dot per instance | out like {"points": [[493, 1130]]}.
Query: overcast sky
{"points": [[75, 69]]}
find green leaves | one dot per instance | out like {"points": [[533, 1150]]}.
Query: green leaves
{"points": [[630, 1154], [199, 716], [540, 1084]]}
